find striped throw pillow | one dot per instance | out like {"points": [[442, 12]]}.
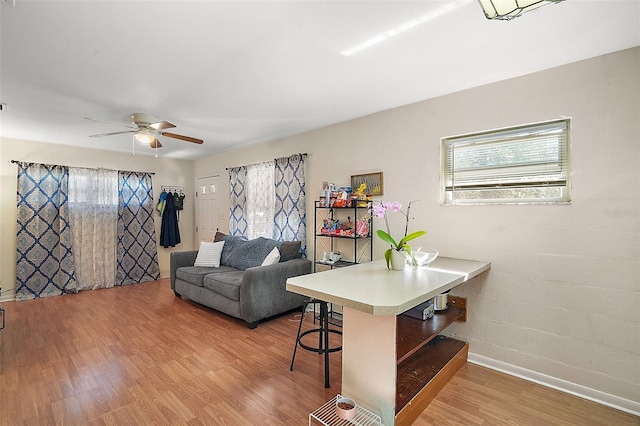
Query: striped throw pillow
{"points": [[209, 254]]}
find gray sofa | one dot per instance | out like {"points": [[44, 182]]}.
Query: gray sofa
{"points": [[240, 287]]}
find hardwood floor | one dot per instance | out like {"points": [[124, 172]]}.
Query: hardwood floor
{"points": [[137, 355]]}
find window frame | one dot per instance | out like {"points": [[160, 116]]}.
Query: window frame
{"points": [[541, 166]]}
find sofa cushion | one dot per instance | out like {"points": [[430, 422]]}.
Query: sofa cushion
{"points": [[227, 284], [290, 250], [272, 258], [209, 254], [195, 274], [231, 242], [251, 253]]}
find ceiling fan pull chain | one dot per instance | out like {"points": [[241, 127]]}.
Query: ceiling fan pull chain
{"points": [[133, 145]]}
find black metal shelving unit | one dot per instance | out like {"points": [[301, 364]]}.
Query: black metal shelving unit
{"points": [[354, 249]]}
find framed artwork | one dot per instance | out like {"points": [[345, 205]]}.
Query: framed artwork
{"points": [[372, 180]]}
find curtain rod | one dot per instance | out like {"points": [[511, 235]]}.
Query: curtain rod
{"points": [[304, 154], [75, 167]]}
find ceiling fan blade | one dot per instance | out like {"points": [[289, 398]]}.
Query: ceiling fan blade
{"points": [[112, 122], [161, 125], [112, 133], [155, 144], [181, 137]]}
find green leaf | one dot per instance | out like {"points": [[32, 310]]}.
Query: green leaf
{"points": [[387, 257], [386, 238], [411, 236]]}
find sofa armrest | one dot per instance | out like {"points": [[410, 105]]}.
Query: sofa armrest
{"points": [[178, 259], [263, 292]]}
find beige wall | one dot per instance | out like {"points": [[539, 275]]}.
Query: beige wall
{"points": [[167, 172], [560, 304]]}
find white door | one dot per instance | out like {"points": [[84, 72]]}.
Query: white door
{"points": [[207, 216]]}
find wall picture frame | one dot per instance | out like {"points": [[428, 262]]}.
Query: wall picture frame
{"points": [[374, 182]]}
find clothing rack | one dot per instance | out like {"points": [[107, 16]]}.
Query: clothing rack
{"points": [[173, 188]]}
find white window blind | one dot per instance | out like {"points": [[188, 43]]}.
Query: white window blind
{"points": [[523, 164]]}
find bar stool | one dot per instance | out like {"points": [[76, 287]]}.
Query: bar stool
{"points": [[323, 336]]}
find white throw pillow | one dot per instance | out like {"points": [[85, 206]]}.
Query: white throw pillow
{"points": [[209, 254], [272, 257]]}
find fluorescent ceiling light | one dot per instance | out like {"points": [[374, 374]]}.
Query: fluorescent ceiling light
{"points": [[379, 38], [509, 9]]}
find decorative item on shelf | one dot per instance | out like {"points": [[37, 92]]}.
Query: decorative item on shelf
{"points": [[395, 256], [372, 180], [335, 228], [342, 197], [362, 228], [359, 197], [330, 259], [329, 226]]}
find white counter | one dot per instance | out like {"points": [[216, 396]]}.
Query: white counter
{"points": [[373, 289]]}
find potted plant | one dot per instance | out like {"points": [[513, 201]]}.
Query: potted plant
{"points": [[395, 256]]}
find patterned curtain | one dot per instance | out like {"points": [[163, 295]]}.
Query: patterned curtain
{"points": [[251, 200], [45, 264], [237, 201], [93, 218], [268, 200], [137, 252], [259, 208], [290, 211]]}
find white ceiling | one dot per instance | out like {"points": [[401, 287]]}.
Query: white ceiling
{"points": [[238, 73]]}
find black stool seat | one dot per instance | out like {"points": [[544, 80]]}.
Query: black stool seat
{"points": [[323, 337]]}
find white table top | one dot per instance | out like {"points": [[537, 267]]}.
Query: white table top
{"points": [[372, 288]]}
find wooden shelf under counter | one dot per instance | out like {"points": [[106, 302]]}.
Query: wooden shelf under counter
{"points": [[413, 333], [425, 360], [424, 374]]}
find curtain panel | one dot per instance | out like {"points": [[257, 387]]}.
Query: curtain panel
{"points": [[268, 200], [45, 264], [80, 228], [259, 208], [93, 212], [290, 207], [237, 201], [137, 259]]}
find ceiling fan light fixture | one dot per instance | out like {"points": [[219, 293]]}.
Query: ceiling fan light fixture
{"points": [[510, 9], [144, 137]]}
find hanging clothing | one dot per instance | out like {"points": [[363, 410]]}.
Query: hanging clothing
{"points": [[179, 200], [161, 203], [169, 232]]}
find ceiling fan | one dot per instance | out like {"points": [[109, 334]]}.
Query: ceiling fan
{"points": [[146, 129]]}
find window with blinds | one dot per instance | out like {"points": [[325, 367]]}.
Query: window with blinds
{"points": [[523, 164]]}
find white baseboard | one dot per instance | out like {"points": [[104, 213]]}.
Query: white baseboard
{"points": [[622, 404]]}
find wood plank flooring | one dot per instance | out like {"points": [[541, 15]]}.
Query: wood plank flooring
{"points": [[137, 355]]}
